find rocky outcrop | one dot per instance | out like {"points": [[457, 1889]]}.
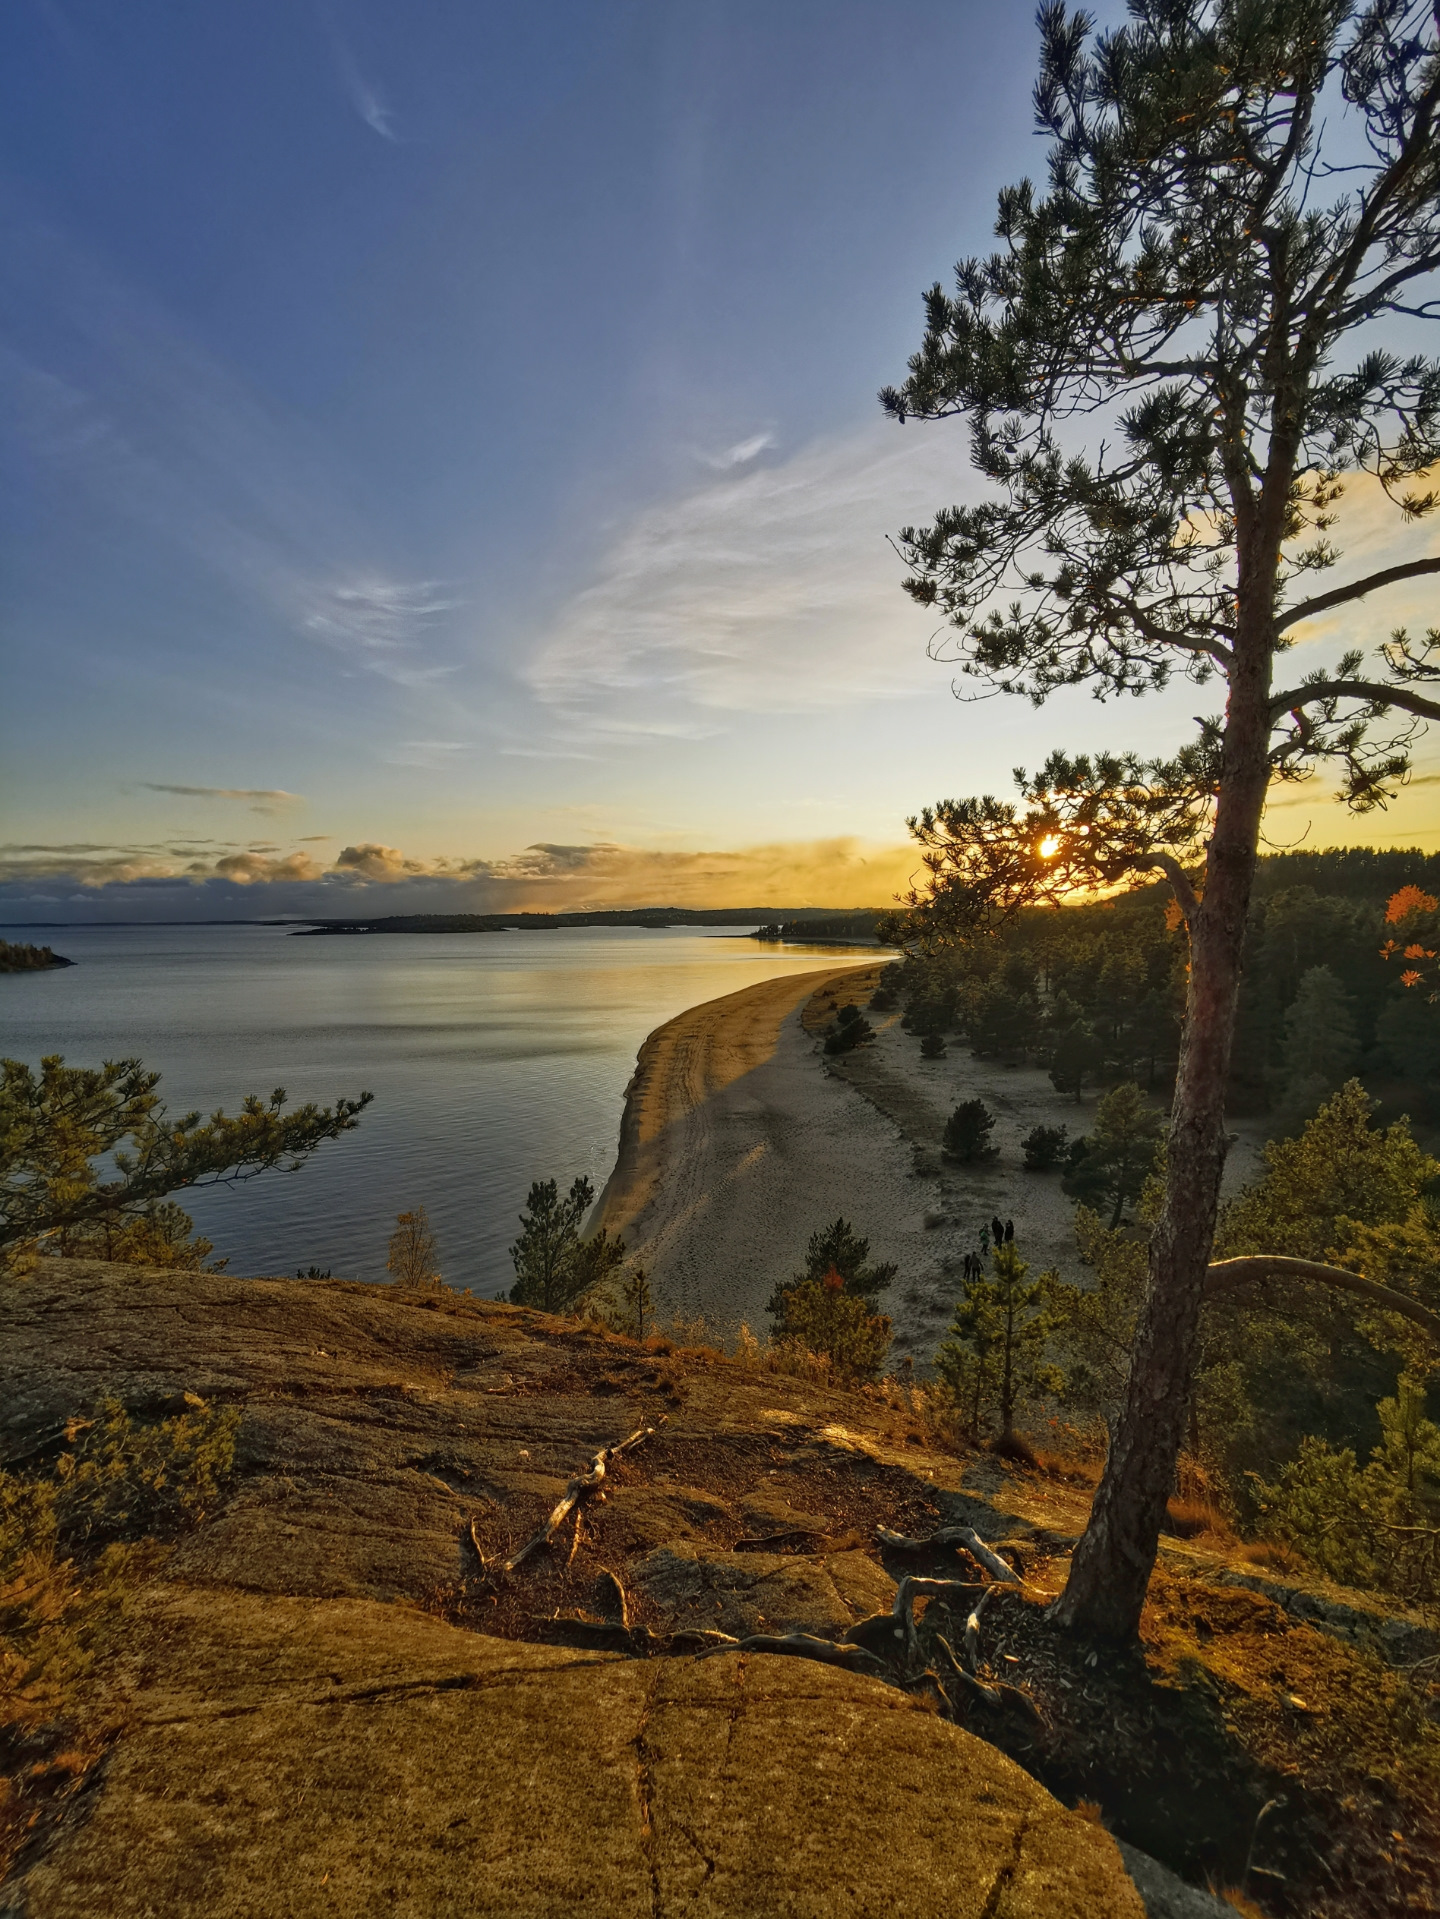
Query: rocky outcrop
{"points": [[323, 1707]]}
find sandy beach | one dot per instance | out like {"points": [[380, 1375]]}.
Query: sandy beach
{"points": [[741, 1138]]}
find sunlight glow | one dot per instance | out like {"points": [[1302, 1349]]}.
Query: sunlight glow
{"points": [[1047, 849]]}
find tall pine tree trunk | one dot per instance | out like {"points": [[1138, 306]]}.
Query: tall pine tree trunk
{"points": [[1114, 1559]]}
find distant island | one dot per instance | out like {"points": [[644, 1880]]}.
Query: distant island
{"points": [[804, 922], [29, 959]]}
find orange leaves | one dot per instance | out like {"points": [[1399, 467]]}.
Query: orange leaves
{"points": [[1410, 899], [834, 1281], [1409, 904]]}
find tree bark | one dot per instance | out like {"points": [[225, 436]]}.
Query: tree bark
{"points": [[1112, 1563]]}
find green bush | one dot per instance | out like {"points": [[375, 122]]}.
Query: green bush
{"points": [[932, 1046], [967, 1132], [1376, 1525], [1043, 1147], [820, 1316]]}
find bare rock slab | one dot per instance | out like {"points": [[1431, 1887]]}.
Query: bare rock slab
{"points": [[286, 1757]]}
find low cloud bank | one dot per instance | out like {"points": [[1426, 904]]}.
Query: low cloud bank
{"points": [[94, 885]]}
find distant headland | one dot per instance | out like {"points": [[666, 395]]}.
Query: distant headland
{"points": [[813, 923]]}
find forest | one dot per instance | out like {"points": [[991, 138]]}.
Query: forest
{"points": [[1095, 993]]}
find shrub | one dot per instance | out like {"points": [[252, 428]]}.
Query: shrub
{"points": [[851, 1029], [123, 1479], [932, 1046], [820, 1316], [1043, 1147], [161, 1234], [1373, 1526], [967, 1132], [554, 1267], [413, 1252]]}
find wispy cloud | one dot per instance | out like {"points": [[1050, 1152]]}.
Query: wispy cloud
{"points": [[275, 794], [426, 753], [367, 99], [771, 589], [741, 454]]}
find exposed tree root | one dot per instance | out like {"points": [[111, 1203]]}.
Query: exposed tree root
{"points": [[577, 1490], [804, 1645], [963, 1536]]}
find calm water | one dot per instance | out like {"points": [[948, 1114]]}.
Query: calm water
{"points": [[495, 1059]]}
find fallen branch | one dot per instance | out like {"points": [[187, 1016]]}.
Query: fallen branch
{"points": [[575, 1491], [1223, 1274], [965, 1536], [618, 1593], [479, 1549]]}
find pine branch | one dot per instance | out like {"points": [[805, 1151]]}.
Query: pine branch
{"points": [[1357, 590]]}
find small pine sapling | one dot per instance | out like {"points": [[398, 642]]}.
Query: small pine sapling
{"points": [[993, 1360]]}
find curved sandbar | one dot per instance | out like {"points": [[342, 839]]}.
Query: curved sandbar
{"points": [[735, 1145], [686, 1062]]}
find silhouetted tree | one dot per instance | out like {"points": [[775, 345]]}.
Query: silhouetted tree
{"points": [[55, 1125], [1185, 276]]}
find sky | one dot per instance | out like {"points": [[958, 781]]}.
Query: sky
{"points": [[441, 464]]}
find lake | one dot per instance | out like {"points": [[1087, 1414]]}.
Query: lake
{"points": [[495, 1059]]}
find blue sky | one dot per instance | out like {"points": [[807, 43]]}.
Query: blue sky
{"points": [[447, 432]]}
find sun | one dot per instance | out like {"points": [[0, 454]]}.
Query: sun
{"points": [[1047, 849]]}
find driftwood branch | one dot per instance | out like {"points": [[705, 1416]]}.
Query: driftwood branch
{"points": [[575, 1491], [965, 1536], [1223, 1274]]}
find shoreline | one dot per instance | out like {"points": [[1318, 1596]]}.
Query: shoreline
{"points": [[740, 1138], [686, 1062]]}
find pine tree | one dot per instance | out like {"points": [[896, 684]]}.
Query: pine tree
{"points": [[837, 1248], [554, 1266], [1238, 199], [993, 1359], [1119, 1154], [1321, 1049]]}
